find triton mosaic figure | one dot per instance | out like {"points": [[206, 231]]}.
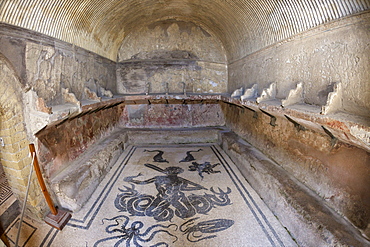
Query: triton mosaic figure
{"points": [[170, 198]]}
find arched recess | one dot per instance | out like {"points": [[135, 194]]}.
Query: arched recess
{"points": [[14, 153]]}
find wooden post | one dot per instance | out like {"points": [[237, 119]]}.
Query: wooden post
{"points": [[57, 218], [41, 181]]}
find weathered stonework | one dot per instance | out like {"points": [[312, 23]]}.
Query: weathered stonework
{"points": [[50, 70], [49, 82], [43, 80], [75, 155], [308, 219], [165, 40], [65, 140], [40, 81], [73, 186], [47, 66], [336, 171], [172, 115], [175, 57], [176, 77], [319, 58]]}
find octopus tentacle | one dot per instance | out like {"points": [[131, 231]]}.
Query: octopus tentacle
{"points": [[200, 239], [160, 244], [134, 239], [108, 228], [154, 233], [187, 223], [106, 239], [152, 227]]}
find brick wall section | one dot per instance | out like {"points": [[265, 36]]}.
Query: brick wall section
{"points": [[14, 154]]}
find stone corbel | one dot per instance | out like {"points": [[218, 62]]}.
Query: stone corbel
{"points": [[42, 107], [70, 97], [334, 102], [295, 96], [268, 93], [91, 95], [250, 93], [105, 92], [237, 93], [36, 102], [361, 133]]}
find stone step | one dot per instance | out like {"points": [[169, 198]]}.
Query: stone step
{"points": [[173, 135]]}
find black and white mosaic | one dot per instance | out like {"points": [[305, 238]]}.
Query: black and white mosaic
{"points": [[173, 196], [5, 190]]}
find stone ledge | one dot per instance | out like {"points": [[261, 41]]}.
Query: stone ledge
{"points": [[346, 127], [75, 184], [302, 212], [173, 135]]}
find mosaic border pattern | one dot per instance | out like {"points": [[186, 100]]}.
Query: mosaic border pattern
{"points": [[5, 190], [86, 221]]}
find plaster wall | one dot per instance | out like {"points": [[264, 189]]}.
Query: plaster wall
{"points": [[171, 57], [172, 116], [49, 66], [319, 58], [51, 69]]}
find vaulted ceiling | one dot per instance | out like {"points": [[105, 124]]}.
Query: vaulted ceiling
{"points": [[243, 26]]}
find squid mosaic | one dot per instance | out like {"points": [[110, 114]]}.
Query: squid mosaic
{"points": [[136, 235]]}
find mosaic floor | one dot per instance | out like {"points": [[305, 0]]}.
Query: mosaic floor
{"points": [[5, 190], [166, 196]]}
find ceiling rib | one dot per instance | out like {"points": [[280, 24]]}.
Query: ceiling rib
{"points": [[243, 26]]}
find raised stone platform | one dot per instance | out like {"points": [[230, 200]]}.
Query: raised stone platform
{"points": [[75, 184], [301, 211], [173, 135]]}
